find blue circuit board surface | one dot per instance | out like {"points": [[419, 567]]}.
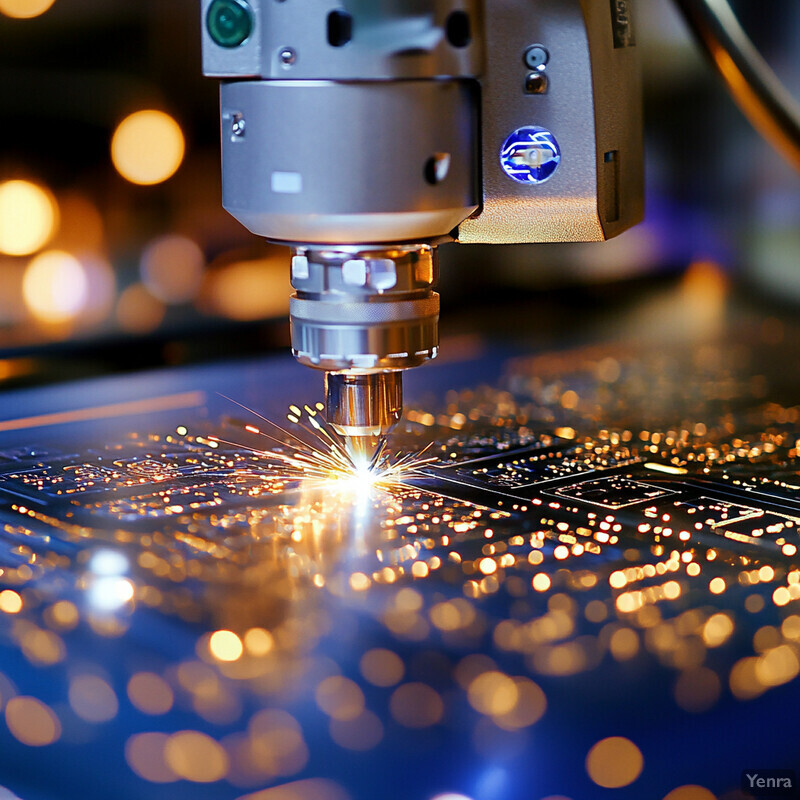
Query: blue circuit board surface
{"points": [[588, 590]]}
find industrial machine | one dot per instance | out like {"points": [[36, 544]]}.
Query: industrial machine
{"points": [[366, 134], [577, 571]]}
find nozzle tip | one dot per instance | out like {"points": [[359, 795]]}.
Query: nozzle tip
{"points": [[362, 450], [364, 406]]}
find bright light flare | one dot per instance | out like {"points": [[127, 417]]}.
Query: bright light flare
{"points": [[364, 476], [147, 147], [325, 456], [108, 562], [109, 593], [107, 590]]}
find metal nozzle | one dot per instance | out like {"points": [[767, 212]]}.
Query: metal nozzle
{"points": [[363, 407], [363, 314]]}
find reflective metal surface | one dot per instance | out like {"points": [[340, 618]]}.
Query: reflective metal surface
{"points": [[365, 308]]}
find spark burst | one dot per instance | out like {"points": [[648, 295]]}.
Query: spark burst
{"points": [[318, 453]]}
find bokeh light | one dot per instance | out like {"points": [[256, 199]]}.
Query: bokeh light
{"points": [[359, 734], [92, 699], [28, 217], [703, 294], [32, 722], [624, 644], [451, 796], [777, 666], [340, 698], [275, 745], [150, 693], [102, 289], [716, 585], [138, 311], [248, 290], [12, 305], [541, 582], [258, 642], [10, 602], [62, 614], [55, 287], [24, 9], [530, 706], [697, 690], [690, 792], [382, 667], [225, 646], [493, 693], [147, 147], [108, 562], [172, 268], [40, 647], [109, 593], [81, 228], [196, 757], [145, 755], [614, 762], [416, 705]]}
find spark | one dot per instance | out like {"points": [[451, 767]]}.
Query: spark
{"points": [[668, 468], [316, 452]]}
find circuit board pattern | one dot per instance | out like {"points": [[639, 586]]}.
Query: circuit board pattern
{"points": [[590, 519]]}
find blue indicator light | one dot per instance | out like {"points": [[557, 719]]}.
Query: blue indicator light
{"points": [[530, 155]]}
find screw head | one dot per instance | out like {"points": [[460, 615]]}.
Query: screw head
{"points": [[229, 22], [237, 124], [287, 56]]}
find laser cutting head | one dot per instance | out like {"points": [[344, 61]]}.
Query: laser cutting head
{"points": [[363, 315], [364, 135]]}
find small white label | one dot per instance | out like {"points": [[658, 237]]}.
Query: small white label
{"points": [[287, 182]]}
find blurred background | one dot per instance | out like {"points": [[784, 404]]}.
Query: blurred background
{"points": [[115, 252]]}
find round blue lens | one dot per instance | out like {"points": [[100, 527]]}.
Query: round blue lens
{"points": [[530, 155]]}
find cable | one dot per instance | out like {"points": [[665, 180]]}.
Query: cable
{"points": [[755, 88]]}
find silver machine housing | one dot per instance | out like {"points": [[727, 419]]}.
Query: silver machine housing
{"points": [[365, 133]]}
